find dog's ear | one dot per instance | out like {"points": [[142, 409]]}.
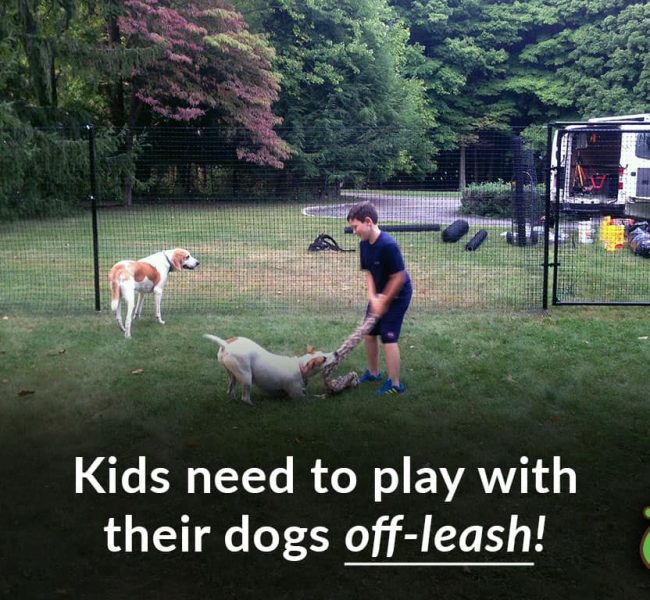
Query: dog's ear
{"points": [[310, 350], [314, 363], [178, 258]]}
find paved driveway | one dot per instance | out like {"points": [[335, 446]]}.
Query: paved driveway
{"points": [[441, 210]]}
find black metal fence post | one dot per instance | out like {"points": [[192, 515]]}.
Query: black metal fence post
{"points": [[547, 212], [93, 205], [560, 174], [519, 204]]}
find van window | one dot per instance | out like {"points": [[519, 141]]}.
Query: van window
{"points": [[642, 149]]}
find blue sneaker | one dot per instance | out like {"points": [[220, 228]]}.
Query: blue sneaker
{"points": [[388, 389], [368, 376]]}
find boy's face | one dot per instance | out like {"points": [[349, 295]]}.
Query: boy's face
{"points": [[363, 229]]}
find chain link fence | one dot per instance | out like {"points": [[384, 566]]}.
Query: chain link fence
{"points": [[251, 227], [600, 194]]}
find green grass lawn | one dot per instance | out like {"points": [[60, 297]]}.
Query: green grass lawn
{"points": [[484, 389], [255, 256], [252, 256]]}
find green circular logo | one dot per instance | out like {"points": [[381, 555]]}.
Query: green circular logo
{"points": [[645, 541]]}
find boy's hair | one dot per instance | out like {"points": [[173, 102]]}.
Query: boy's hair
{"points": [[362, 210]]}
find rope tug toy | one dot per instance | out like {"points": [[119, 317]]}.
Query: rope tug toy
{"points": [[351, 379]]}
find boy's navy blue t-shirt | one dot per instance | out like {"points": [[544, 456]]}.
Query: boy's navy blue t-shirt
{"points": [[383, 259]]}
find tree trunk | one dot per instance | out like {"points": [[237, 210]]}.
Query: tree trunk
{"points": [[234, 180], [462, 180], [40, 56], [116, 88], [185, 175], [53, 94], [127, 185]]}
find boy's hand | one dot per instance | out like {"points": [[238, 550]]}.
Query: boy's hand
{"points": [[378, 305]]}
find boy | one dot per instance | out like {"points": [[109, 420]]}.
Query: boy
{"points": [[389, 295]]}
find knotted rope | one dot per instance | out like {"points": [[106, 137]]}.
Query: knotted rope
{"points": [[351, 379]]}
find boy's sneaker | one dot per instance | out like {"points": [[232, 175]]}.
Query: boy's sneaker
{"points": [[388, 389], [368, 376]]}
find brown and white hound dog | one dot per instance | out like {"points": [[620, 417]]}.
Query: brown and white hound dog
{"points": [[145, 276]]}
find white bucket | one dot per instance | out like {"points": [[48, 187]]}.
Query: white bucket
{"points": [[585, 235]]}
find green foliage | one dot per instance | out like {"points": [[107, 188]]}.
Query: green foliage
{"points": [[349, 109], [586, 59], [43, 171], [47, 49], [46, 171], [368, 88], [491, 199], [115, 165], [443, 65], [535, 137]]}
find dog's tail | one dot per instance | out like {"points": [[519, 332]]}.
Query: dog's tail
{"points": [[114, 278], [215, 339], [115, 295]]}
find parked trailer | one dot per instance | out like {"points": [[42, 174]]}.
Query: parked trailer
{"points": [[602, 166]]}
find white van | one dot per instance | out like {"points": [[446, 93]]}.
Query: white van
{"points": [[603, 166]]}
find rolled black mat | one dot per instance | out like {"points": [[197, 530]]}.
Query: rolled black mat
{"points": [[477, 240], [412, 228], [455, 231]]}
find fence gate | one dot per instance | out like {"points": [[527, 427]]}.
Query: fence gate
{"points": [[598, 247]]}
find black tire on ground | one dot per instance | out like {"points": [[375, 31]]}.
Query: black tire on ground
{"points": [[455, 231]]}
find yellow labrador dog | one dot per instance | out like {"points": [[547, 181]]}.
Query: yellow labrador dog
{"points": [[248, 363], [146, 276]]}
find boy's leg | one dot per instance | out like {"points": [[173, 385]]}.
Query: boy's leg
{"points": [[391, 353], [372, 353], [390, 327]]}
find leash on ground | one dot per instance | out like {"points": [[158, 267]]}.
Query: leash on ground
{"points": [[351, 379]]}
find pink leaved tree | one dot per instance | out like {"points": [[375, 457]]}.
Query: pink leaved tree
{"points": [[200, 57]]}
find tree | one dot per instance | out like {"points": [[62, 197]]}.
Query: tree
{"points": [[575, 60], [460, 49], [39, 42], [350, 112], [603, 64], [38, 30], [203, 62], [463, 48]]}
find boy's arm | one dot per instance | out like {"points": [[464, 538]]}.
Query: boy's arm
{"points": [[379, 304], [372, 290]]}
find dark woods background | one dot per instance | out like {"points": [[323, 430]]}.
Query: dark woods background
{"points": [[305, 97]]}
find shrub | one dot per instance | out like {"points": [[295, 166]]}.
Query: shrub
{"points": [[490, 199]]}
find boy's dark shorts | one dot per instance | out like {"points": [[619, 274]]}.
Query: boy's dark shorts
{"points": [[390, 325]]}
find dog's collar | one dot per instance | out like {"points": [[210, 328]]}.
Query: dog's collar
{"points": [[303, 374], [169, 262]]}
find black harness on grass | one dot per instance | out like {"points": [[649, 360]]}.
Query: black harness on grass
{"points": [[326, 242]]}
